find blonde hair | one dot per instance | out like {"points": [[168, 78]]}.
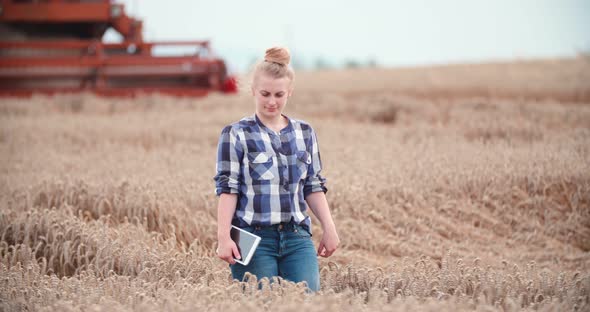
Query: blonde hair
{"points": [[275, 64]]}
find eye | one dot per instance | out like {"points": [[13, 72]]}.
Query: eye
{"points": [[264, 93], [280, 94]]}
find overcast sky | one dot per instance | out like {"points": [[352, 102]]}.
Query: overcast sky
{"points": [[394, 33]]}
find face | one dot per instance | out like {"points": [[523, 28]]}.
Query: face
{"points": [[270, 95]]}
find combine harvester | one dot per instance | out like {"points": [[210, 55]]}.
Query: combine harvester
{"points": [[54, 46]]}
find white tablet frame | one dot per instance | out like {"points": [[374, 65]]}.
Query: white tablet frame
{"points": [[248, 257]]}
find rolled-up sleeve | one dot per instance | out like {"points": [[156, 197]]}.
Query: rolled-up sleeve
{"points": [[229, 156], [314, 181]]}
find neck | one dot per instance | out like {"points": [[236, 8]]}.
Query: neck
{"points": [[276, 123]]}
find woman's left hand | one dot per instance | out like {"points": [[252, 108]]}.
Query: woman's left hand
{"points": [[329, 243]]}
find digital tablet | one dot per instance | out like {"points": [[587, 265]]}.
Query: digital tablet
{"points": [[246, 242]]}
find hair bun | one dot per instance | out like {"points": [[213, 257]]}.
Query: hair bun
{"points": [[278, 55]]}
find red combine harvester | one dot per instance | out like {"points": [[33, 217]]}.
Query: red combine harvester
{"points": [[55, 46]]}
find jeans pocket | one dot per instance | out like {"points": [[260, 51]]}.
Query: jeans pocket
{"points": [[302, 232]]}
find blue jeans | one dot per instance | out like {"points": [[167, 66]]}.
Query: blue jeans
{"points": [[286, 250]]}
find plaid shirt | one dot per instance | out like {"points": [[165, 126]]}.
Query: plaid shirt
{"points": [[271, 172]]}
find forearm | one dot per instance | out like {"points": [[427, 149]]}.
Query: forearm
{"points": [[319, 205], [225, 212]]}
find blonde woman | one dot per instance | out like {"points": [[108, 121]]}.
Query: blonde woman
{"points": [[268, 174]]}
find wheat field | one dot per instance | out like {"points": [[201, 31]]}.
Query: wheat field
{"points": [[453, 188]]}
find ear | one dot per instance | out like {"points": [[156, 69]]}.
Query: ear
{"points": [[290, 92]]}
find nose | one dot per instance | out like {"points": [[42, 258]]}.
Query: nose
{"points": [[272, 100]]}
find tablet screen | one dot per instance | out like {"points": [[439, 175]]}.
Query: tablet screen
{"points": [[246, 242]]}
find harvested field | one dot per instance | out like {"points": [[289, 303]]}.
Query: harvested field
{"points": [[453, 188]]}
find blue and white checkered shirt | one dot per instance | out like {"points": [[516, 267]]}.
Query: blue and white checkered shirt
{"points": [[271, 172]]}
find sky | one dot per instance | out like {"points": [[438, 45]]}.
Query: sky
{"points": [[392, 33]]}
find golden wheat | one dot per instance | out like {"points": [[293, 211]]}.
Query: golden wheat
{"points": [[469, 200]]}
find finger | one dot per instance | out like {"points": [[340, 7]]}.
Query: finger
{"points": [[328, 253], [236, 252], [320, 248], [229, 259]]}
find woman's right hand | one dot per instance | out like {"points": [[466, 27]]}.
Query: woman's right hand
{"points": [[227, 250]]}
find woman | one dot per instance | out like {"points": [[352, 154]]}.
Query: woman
{"points": [[268, 173]]}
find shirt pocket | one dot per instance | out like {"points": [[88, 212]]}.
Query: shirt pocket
{"points": [[260, 165], [302, 163]]}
